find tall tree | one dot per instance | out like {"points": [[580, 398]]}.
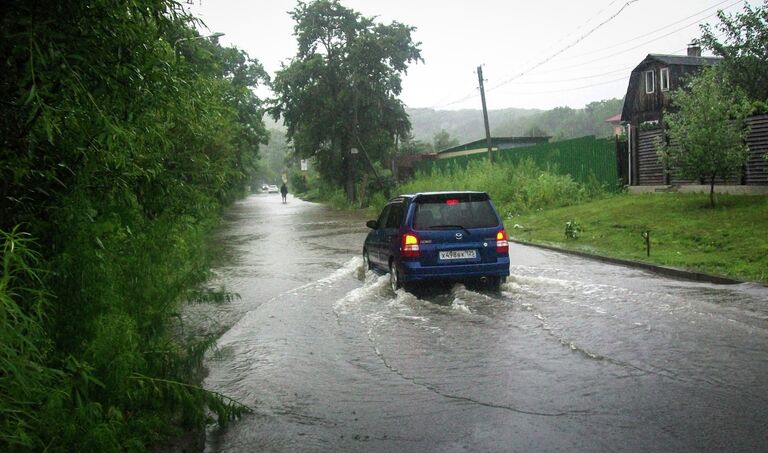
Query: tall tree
{"points": [[744, 48], [410, 146], [340, 91], [707, 129], [443, 140]]}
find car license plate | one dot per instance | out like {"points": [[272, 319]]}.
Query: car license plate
{"points": [[458, 254]]}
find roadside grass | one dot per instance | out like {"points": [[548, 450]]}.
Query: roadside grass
{"points": [[513, 188], [729, 240]]}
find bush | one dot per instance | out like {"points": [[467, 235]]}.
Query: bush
{"points": [[298, 182], [25, 379]]}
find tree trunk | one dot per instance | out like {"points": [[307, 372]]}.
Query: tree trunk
{"points": [[350, 178], [712, 192]]}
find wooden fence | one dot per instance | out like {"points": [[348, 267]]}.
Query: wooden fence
{"points": [[648, 170], [756, 169]]}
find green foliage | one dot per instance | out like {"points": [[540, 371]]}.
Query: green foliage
{"points": [[442, 140], [340, 90], [124, 133], [707, 129], [376, 203], [572, 230], [408, 145], [297, 181], [744, 48], [25, 378]]}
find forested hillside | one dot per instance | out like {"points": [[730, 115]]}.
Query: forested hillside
{"points": [[560, 123], [563, 122], [467, 125], [463, 125]]}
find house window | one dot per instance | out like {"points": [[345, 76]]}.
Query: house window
{"points": [[649, 82], [664, 79]]}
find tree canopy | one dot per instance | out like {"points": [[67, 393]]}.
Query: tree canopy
{"points": [[341, 89], [443, 140], [706, 129], [742, 41]]}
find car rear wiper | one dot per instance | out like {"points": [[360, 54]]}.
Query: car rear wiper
{"points": [[449, 227]]}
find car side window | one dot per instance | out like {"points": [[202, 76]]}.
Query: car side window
{"points": [[396, 212], [383, 217]]}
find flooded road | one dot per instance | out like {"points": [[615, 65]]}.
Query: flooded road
{"points": [[572, 355]]}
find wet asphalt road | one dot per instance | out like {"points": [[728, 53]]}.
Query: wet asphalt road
{"points": [[572, 355]]}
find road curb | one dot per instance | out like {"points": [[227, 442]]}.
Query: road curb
{"points": [[662, 270]]}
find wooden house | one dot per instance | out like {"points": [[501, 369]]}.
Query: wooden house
{"points": [[653, 81], [648, 95]]}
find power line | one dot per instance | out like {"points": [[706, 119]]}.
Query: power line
{"points": [[608, 82], [575, 88], [584, 63], [581, 38], [549, 58], [571, 79], [568, 35], [642, 44], [663, 28]]}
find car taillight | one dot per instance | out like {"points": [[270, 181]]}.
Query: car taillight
{"points": [[502, 245], [409, 246]]}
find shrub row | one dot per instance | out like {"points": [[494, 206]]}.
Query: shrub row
{"points": [[124, 133]]}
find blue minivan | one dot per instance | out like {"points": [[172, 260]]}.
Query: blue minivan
{"points": [[453, 236]]}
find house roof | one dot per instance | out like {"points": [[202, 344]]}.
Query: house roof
{"points": [[613, 119], [683, 60], [495, 142], [671, 60]]}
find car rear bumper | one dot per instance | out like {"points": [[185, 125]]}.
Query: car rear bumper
{"points": [[413, 271]]}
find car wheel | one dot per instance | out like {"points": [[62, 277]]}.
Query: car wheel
{"points": [[366, 261], [394, 277], [494, 283]]}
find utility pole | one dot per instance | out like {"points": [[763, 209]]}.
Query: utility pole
{"points": [[485, 114]]}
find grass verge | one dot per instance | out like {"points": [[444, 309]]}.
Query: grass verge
{"points": [[728, 240]]}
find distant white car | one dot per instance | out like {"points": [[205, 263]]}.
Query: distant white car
{"points": [[273, 189]]}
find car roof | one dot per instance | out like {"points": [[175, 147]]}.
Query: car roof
{"points": [[419, 194]]}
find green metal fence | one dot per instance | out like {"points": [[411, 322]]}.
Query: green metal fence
{"points": [[583, 158]]}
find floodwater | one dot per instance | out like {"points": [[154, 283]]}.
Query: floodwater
{"points": [[571, 355]]}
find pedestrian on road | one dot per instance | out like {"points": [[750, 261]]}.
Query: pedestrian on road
{"points": [[284, 192]]}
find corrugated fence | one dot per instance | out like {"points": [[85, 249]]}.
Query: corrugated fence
{"points": [[582, 158]]}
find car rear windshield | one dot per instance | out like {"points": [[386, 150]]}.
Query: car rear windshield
{"points": [[464, 210]]}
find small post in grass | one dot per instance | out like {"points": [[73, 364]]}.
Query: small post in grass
{"points": [[647, 236]]}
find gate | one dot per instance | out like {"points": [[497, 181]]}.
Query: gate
{"points": [[649, 170]]}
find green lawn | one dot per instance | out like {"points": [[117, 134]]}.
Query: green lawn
{"points": [[729, 240]]}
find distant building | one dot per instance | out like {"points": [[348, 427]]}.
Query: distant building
{"points": [[497, 144], [615, 122], [402, 166]]}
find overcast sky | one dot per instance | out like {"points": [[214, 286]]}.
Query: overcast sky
{"points": [[535, 54]]}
